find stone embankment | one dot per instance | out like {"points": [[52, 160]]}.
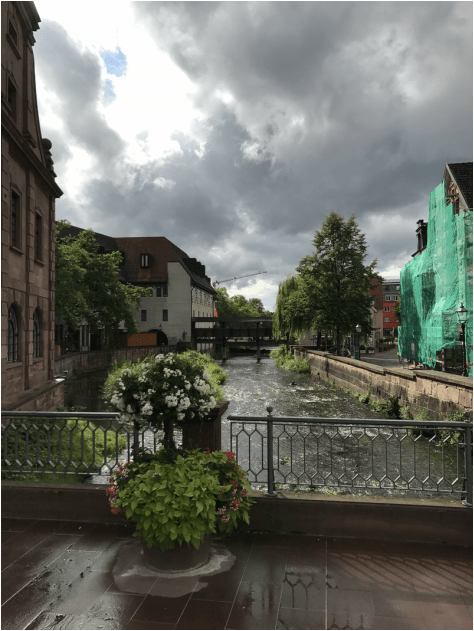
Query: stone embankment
{"points": [[439, 393]]}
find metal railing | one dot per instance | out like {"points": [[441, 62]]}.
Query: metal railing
{"points": [[381, 455], [71, 443]]}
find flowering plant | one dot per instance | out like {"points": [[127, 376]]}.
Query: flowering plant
{"points": [[179, 500], [161, 390]]}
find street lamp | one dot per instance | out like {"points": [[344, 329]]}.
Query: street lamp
{"points": [[462, 314], [356, 346]]}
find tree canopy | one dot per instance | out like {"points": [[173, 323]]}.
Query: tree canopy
{"points": [[88, 289], [331, 289], [239, 306]]}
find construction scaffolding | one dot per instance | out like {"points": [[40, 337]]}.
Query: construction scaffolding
{"points": [[434, 284]]}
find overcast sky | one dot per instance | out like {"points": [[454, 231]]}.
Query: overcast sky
{"points": [[234, 128]]}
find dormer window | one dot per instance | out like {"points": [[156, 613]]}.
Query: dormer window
{"points": [[144, 261]]}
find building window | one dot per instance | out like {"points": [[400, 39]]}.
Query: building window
{"points": [[38, 237], [386, 319], [15, 220], [144, 261], [11, 99], [386, 308], [162, 291], [36, 334], [165, 315], [143, 315], [12, 335]]}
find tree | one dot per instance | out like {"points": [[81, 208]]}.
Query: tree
{"points": [[88, 289], [397, 310], [336, 280], [239, 306], [293, 313]]}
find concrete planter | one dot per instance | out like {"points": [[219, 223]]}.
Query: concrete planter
{"points": [[181, 558]]}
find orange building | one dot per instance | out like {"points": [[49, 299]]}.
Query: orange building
{"points": [[29, 191]]}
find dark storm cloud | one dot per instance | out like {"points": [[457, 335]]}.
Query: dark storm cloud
{"points": [[75, 77], [355, 106]]}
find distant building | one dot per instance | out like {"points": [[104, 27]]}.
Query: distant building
{"points": [[29, 191], [376, 313], [181, 290], [391, 293], [438, 279]]}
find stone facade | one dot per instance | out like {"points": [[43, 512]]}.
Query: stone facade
{"points": [[438, 393], [28, 218]]}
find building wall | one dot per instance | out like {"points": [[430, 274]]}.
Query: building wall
{"points": [[28, 263], [391, 292]]}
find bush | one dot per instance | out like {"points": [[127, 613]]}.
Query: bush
{"points": [[284, 359]]}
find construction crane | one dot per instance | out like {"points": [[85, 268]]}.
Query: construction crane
{"points": [[226, 280]]}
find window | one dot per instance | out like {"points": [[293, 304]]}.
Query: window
{"points": [[15, 220], [11, 98], [165, 315], [38, 237], [143, 315], [37, 334], [12, 335], [12, 33], [162, 291], [144, 260], [386, 319], [386, 308]]}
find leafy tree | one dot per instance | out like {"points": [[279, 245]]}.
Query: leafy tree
{"points": [[332, 291], [238, 306], [293, 313], [88, 290]]}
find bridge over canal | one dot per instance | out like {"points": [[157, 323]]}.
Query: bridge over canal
{"points": [[224, 333]]}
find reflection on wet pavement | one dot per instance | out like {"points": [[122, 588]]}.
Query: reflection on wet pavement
{"points": [[64, 575]]}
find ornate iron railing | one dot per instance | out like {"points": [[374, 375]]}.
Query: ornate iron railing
{"points": [[383, 454], [71, 443]]}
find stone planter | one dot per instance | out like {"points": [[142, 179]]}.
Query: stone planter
{"points": [[205, 433], [182, 558]]}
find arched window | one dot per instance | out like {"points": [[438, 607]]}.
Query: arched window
{"points": [[37, 334], [12, 335]]}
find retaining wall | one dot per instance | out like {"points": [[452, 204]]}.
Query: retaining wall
{"points": [[388, 521], [89, 361], [439, 393]]}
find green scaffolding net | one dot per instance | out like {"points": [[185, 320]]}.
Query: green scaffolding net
{"points": [[433, 285]]}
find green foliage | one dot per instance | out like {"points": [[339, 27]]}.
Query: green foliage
{"points": [[239, 306], [87, 286], [217, 375], [331, 291], [285, 359], [77, 439], [180, 501], [293, 308]]}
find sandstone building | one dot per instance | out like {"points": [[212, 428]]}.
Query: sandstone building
{"points": [[29, 191]]}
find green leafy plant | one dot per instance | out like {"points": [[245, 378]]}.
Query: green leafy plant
{"points": [[285, 359], [175, 500]]}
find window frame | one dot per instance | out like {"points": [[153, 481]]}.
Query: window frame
{"points": [[15, 220], [165, 315], [37, 335], [13, 342], [38, 237], [143, 315], [144, 260]]}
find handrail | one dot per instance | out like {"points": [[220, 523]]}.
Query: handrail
{"points": [[271, 421]]}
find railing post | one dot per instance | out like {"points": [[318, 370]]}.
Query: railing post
{"points": [[271, 483], [468, 463], [136, 439]]}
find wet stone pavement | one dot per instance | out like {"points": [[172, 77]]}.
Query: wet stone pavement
{"points": [[69, 575]]}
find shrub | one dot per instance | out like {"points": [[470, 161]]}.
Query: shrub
{"points": [[284, 359]]}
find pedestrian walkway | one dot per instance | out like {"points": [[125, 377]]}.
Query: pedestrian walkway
{"points": [[70, 575], [387, 358]]}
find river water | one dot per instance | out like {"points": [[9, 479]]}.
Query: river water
{"points": [[306, 457]]}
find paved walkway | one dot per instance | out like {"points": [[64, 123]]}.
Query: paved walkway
{"points": [[69, 575], [387, 358]]}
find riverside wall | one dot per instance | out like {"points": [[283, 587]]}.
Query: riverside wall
{"points": [[439, 393], [90, 361]]}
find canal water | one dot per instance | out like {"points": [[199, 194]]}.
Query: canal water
{"points": [[307, 457]]}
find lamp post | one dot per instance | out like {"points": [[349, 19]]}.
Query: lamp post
{"points": [[462, 314], [356, 346]]}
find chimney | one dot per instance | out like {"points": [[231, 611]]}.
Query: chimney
{"points": [[422, 234]]}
